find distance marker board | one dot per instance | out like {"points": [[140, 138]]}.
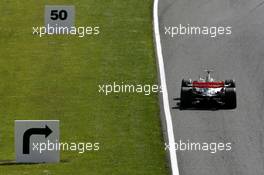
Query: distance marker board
{"points": [[29, 134], [59, 16]]}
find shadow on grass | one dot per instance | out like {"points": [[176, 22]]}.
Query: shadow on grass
{"points": [[14, 163]]}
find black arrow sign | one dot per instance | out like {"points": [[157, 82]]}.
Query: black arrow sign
{"points": [[34, 131]]}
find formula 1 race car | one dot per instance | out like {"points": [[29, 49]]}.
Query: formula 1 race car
{"points": [[208, 93]]}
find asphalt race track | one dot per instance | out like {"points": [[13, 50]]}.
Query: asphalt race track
{"points": [[239, 56]]}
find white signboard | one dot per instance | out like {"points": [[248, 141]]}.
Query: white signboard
{"points": [[36, 140], [59, 17]]}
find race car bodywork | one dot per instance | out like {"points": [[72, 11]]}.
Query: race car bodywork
{"points": [[208, 93]]}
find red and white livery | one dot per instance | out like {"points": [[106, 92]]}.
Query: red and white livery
{"points": [[208, 93]]}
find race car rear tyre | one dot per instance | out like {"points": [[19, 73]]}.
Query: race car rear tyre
{"points": [[231, 83], [186, 98], [230, 98], [186, 83]]}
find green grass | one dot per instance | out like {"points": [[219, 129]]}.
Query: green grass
{"points": [[57, 78]]}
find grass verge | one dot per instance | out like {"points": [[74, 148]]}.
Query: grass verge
{"points": [[57, 77]]}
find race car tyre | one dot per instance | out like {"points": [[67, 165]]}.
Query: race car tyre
{"points": [[186, 98], [231, 83], [186, 83], [230, 98]]}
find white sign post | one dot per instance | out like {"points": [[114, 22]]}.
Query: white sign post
{"points": [[59, 16], [36, 141]]}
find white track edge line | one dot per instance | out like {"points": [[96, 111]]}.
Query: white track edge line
{"points": [[171, 139]]}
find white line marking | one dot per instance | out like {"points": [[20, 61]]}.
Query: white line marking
{"points": [[173, 156]]}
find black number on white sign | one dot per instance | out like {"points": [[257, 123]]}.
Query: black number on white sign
{"points": [[56, 14]]}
